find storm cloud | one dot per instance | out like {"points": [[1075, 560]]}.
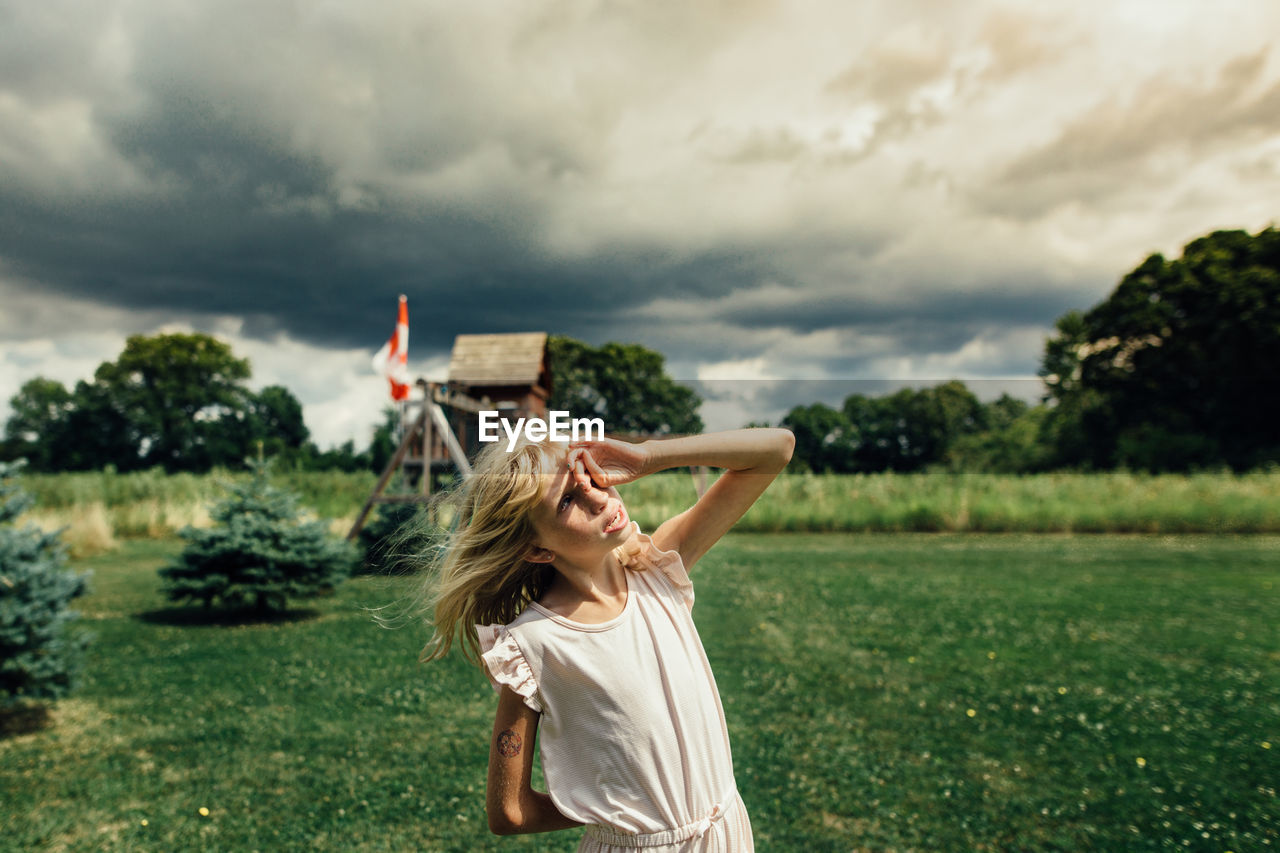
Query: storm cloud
{"points": [[878, 191]]}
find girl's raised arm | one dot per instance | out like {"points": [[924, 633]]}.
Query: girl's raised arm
{"points": [[753, 457]]}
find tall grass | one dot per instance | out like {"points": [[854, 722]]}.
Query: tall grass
{"points": [[328, 493], [94, 509], [99, 507], [1114, 502]]}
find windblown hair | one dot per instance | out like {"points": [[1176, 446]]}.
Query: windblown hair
{"points": [[478, 575]]}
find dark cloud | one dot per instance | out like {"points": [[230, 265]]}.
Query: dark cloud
{"points": [[689, 176], [872, 310], [433, 176]]}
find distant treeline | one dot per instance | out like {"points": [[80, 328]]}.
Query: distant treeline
{"points": [[178, 402], [1174, 371], [917, 429]]}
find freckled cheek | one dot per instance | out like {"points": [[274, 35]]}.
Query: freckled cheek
{"points": [[581, 532], [566, 533]]}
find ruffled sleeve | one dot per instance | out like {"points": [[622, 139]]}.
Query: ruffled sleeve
{"points": [[639, 554], [505, 664]]}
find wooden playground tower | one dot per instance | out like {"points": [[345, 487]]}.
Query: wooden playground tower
{"points": [[507, 372]]}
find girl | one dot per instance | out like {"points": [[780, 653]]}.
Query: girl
{"points": [[583, 625]]}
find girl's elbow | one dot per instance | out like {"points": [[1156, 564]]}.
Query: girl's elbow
{"points": [[504, 821], [787, 444], [504, 815], [779, 446]]}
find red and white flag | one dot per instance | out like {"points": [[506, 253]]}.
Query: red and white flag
{"points": [[392, 361]]}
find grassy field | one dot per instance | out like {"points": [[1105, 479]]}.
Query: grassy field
{"points": [[908, 692], [98, 509]]}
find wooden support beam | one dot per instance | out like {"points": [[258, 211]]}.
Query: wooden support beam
{"points": [[445, 396], [430, 421], [455, 451], [396, 459], [428, 450]]}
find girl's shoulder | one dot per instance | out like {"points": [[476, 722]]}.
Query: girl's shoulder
{"points": [[497, 632], [639, 553], [505, 663]]}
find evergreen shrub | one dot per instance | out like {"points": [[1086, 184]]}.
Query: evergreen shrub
{"points": [[258, 554], [40, 658], [394, 539]]}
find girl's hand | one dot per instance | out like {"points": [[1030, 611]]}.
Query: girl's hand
{"points": [[608, 462]]}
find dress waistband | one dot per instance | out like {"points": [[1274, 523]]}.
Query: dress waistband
{"points": [[697, 829]]}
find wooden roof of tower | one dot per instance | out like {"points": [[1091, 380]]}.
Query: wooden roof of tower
{"points": [[488, 361]]}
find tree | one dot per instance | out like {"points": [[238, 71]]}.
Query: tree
{"points": [[626, 385], [1004, 410], [936, 417], [823, 438], [258, 554], [904, 431], [386, 438], [98, 433], [39, 657], [1011, 444], [874, 427], [177, 401], [37, 429], [909, 429], [394, 539], [175, 392], [1078, 419], [1175, 369], [276, 416]]}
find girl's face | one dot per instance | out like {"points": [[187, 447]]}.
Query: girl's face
{"points": [[577, 520]]}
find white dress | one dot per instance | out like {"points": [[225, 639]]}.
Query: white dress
{"points": [[632, 736]]}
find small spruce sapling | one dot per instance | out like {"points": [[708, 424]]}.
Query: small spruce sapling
{"points": [[258, 554], [394, 539], [40, 658]]}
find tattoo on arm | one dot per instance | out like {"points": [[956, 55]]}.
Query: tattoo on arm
{"points": [[509, 744]]}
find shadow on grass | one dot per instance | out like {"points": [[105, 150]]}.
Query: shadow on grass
{"points": [[23, 720], [224, 616]]}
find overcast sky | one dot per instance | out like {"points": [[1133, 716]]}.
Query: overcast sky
{"points": [[759, 190]]}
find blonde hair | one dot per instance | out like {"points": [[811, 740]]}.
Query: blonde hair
{"points": [[478, 574]]}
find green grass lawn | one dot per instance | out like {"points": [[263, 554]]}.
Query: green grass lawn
{"points": [[884, 692]]}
